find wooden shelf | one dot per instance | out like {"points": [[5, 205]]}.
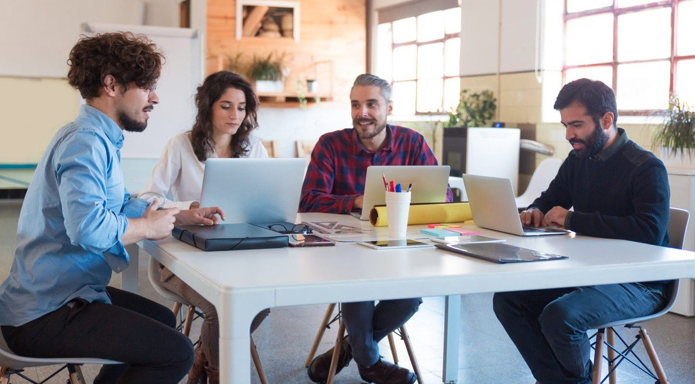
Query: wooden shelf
{"points": [[284, 97]]}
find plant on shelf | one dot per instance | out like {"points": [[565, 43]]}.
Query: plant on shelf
{"points": [[233, 63], [268, 72], [473, 110], [676, 135]]}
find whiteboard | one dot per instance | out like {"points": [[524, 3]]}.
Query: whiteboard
{"points": [[182, 73], [36, 35]]}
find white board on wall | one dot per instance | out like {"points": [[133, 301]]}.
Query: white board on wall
{"points": [[181, 75], [36, 35]]}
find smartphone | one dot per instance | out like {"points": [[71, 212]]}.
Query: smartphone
{"points": [[396, 244], [309, 241]]}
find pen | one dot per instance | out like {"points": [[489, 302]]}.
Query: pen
{"points": [[386, 185], [410, 186], [398, 188], [392, 186]]}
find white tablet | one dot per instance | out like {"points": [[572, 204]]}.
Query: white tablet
{"points": [[395, 244], [466, 239]]}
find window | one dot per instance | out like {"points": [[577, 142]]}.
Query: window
{"points": [[642, 48], [419, 55]]}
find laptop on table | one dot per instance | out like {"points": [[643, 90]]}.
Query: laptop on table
{"points": [[429, 182], [493, 207]]}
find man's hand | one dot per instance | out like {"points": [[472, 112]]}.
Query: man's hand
{"points": [[531, 217], [555, 217], [158, 223], [198, 216], [358, 202]]}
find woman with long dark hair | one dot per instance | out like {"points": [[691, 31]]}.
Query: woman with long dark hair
{"points": [[223, 128]]}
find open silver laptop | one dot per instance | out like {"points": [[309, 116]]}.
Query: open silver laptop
{"points": [[429, 184], [493, 207], [254, 190]]}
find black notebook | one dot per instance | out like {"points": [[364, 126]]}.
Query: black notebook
{"points": [[500, 252], [228, 237]]}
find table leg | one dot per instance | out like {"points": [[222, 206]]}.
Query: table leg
{"points": [[452, 317], [129, 277], [234, 350]]}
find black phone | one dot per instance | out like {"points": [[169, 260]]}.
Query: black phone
{"points": [[309, 241]]}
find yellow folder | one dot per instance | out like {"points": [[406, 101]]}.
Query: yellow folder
{"points": [[425, 213]]}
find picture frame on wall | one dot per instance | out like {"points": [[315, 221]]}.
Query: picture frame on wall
{"points": [[267, 19]]}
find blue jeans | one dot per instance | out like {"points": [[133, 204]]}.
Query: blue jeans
{"points": [[549, 327], [367, 324]]}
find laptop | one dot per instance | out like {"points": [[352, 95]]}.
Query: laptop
{"points": [[500, 253], [254, 190], [493, 207], [429, 182]]}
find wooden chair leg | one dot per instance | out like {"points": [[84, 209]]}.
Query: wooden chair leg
{"points": [[189, 320], [613, 375], [319, 334], [257, 362], [411, 354], [393, 348], [653, 357], [3, 378], [598, 357], [176, 308], [339, 340], [76, 376]]}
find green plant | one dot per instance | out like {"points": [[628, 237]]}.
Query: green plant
{"points": [[473, 110], [233, 63], [677, 132], [267, 67]]}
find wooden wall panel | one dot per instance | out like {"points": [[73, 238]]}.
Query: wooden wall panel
{"points": [[330, 30]]}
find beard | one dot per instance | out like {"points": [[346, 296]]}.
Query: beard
{"points": [[368, 135], [593, 144], [129, 124]]}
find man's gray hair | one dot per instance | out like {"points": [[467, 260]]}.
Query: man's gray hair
{"points": [[371, 80]]}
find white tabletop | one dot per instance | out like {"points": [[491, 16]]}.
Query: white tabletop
{"points": [[241, 283]]}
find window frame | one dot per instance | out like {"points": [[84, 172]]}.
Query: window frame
{"points": [[416, 79], [673, 59]]}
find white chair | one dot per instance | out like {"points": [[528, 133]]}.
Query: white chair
{"points": [[154, 275], [457, 183], [677, 225], [540, 180], [11, 364]]}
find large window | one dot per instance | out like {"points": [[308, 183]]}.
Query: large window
{"points": [[420, 57], [644, 49]]}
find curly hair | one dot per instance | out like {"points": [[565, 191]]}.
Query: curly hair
{"points": [[212, 89], [126, 57]]}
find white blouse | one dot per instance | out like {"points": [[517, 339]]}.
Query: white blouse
{"points": [[177, 179]]}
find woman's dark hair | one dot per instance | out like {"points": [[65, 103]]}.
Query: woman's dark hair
{"points": [[212, 89], [126, 57], [595, 96]]}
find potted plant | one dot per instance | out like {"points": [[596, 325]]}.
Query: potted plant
{"points": [[675, 137], [473, 110], [267, 72]]}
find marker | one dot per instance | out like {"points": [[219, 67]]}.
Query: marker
{"points": [[386, 185], [410, 186], [398, 187], [392, 186]]}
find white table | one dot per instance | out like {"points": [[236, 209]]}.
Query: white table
{"points": [[242, 283]]}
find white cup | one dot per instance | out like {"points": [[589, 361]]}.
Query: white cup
{"points": [[397, 208]]}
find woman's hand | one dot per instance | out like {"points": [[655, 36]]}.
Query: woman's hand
{"points": [[199, 216]]}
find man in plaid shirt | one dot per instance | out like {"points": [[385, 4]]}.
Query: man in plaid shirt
{"points": [[334, 183]]}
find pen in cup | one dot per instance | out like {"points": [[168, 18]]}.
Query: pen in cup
{"points": [[398, 188], [386, 185], [392, 186], [410, 186]]}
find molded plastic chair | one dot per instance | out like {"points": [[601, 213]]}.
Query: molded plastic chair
{"points": [[457, 183], [154, 275], [540, 180], [340, 339], [677, 225], [11, 364]]}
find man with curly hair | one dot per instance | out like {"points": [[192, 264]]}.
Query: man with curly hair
{"points": [[76, 220]]}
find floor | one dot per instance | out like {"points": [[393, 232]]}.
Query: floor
{"points": [[487, 356]]}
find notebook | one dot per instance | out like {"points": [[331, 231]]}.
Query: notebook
{"points": [[227, 237], [429, 182], [254, 190], [493, 207], [500, 252]]}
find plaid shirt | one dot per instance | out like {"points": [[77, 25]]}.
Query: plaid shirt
{"points": [[338, 168]]}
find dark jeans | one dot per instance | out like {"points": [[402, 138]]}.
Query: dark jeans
{"points": [[133, 330], [549, 327], [367, 324]]}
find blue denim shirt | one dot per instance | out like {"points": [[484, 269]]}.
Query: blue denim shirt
{"points": [[72, 221]]}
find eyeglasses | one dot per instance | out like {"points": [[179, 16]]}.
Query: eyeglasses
{"points": [[286, 229]]}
